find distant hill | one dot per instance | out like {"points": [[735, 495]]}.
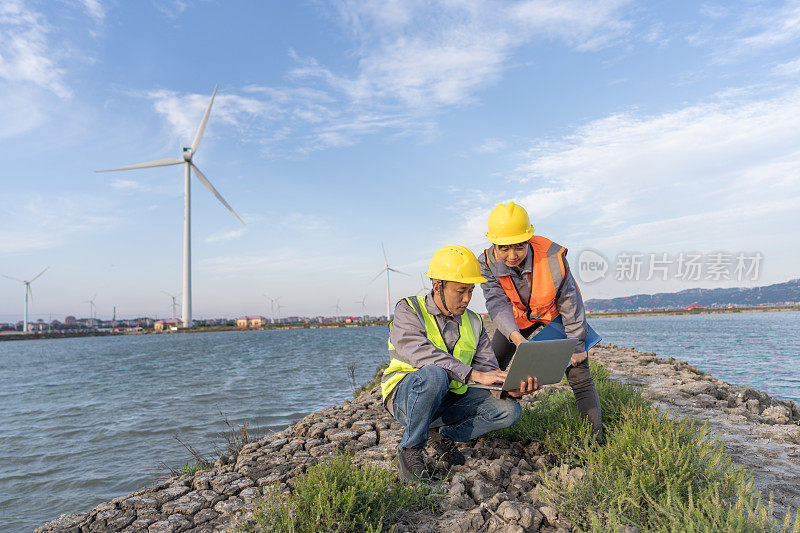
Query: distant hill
{"points": [[777, 294]]}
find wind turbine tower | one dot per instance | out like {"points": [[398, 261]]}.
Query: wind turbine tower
{"points": [[387, 269], [92, 310], [174, 303], [271, 306], [28, 292], [189, 166], [363, 303], [338, 309]]}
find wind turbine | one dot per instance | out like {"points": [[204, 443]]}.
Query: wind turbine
{"points": [[387, 269], [279, 306], [423, 288], [363, 303], [186, 160], [271, 307], [338, 309], [28, 292], [92, 309], [274, 302], [174, 303]]}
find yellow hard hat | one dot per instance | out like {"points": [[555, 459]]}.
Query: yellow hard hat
{"points": [[509, 224], [455, 263]]}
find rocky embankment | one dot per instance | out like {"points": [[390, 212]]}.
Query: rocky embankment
{"points": [[498, 488]]}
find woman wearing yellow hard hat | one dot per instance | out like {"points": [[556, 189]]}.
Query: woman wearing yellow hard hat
{"points": [[530, 292], [438, 346]]}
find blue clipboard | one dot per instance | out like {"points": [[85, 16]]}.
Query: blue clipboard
{"points": [[555, 330]]}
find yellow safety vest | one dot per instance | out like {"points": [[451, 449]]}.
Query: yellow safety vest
{"points": [[464, 350]]}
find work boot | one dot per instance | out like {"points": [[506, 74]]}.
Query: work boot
{"points": [[411, 465], [445, 448]]}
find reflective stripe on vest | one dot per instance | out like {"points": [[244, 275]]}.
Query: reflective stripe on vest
{"points": [[547, 274], [469, 332]]}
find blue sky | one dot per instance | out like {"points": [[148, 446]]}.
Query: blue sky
{"points": [[623, 128]]}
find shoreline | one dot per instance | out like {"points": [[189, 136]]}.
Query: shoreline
{"points": [[756, 430], [209, 329], [704, 311], [215, 329]]}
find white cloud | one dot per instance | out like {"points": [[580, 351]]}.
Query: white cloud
{"points": [[774, 27], [412, 60], [759, 27], [26, 55], [789, 68], [225, 235], [40, 222], [490, 146], [95, 9], [129, 185], [184, 112], [726, 171]]}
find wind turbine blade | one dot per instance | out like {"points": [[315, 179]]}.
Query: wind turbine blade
{"points": [[199, 136], [15, 279], [30, 292], [211, 188], [157, 163], [386, 261], [377, 275], [396, 271], [37, 275]]}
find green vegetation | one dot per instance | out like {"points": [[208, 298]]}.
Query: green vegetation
{"points": [[655, 473], [376, 379], [194, 466], [339, 496], [235, 439], [555, 421]]}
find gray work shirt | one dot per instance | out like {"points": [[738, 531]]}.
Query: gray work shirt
{"points": [[412, 345], [568, 298]]}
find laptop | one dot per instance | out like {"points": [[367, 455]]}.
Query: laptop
{"points": [[546, 360]]}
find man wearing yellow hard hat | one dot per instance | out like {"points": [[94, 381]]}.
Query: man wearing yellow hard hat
{"points": [[437, 347], [530, 287]]}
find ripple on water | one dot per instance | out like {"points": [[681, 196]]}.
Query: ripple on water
{"points": [[88, 419]]}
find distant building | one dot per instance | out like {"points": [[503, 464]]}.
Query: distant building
{"points": [[71, 321], [695, 306], [168, 324], [251, 321]]}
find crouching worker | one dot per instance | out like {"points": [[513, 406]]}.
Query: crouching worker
{"points": [[437, 347]]}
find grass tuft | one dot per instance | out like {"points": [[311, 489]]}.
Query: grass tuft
{"points": [[554, 419], [339, 496], [654, 473], [659, 474], [376, 379]]}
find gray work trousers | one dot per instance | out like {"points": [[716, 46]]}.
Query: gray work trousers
{"points": [[579, 377]]}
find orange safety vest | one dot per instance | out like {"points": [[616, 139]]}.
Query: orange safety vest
{"points": [[547, 273]]}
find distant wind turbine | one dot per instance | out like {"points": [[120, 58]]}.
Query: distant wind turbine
{"points": [[274, 302], [271, 307], [363, 303], [92, 310], [279, 306], [186, 160], [174, 303], [338, 309], [28, 292], [423, 288], [387, 269]]}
